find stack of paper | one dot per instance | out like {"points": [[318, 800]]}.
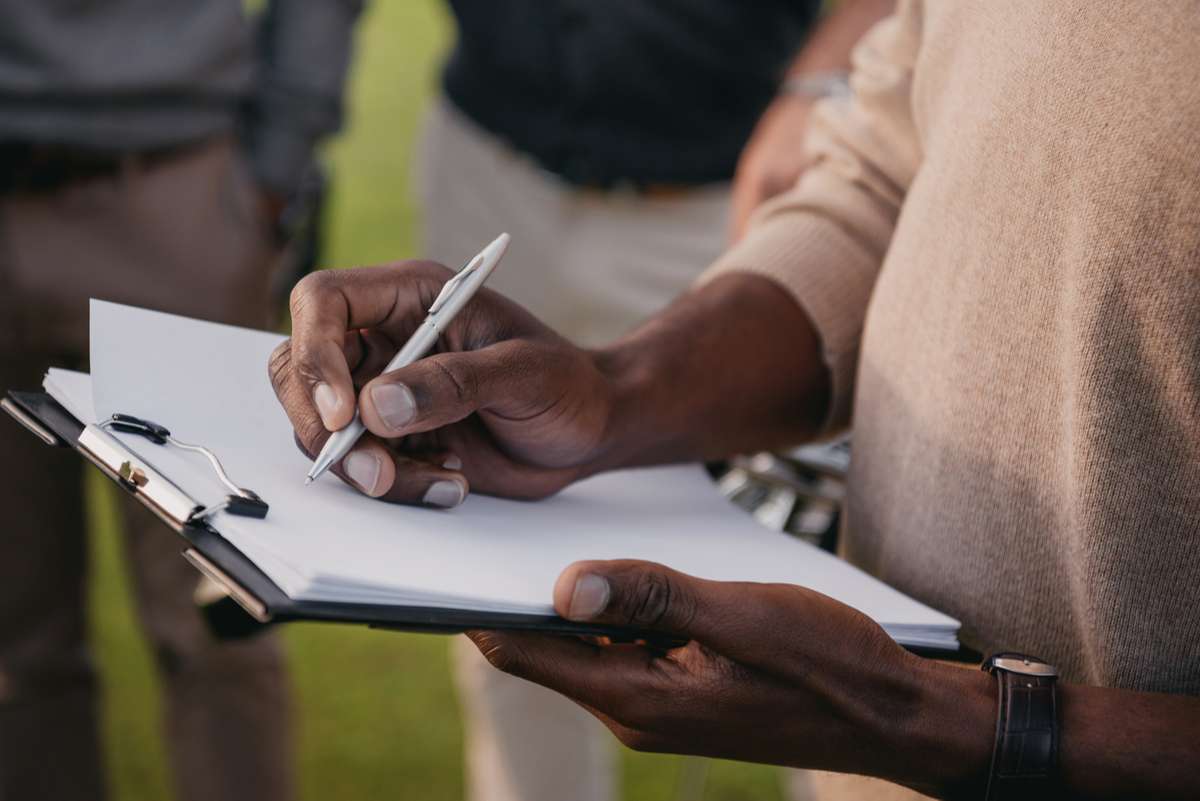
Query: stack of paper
{"points": [[208, 383]]}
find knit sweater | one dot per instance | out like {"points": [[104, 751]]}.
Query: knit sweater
{"points": [[1000, 250]]}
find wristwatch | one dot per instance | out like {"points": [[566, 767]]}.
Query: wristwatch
{"points": [[1025, 756], [816, 85]]}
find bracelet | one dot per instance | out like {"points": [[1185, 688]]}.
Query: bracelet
{"points": [[817, 84]]}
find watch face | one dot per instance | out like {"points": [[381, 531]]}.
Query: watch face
{"points": [[1021, 664]]}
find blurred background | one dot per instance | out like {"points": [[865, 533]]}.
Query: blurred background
{"points": [[377, 714]]}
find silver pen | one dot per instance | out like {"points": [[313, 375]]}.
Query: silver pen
{"points": [[454, 295]]}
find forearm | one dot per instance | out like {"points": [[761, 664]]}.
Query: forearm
{"points": [[732, 366], [1113, 744], [1125, 744], [829, 47]]}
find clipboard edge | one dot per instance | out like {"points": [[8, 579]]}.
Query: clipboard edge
{"points": [[244, 598], [17, 412]]}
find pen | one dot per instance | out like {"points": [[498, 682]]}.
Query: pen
{"points": [[455, 294]]}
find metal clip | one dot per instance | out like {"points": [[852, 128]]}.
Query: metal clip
{"points": [[174, 506], [247, 505], [241, 501], [451, 285]]}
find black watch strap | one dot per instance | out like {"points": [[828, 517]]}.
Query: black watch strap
{"points": [[1025, 756]]}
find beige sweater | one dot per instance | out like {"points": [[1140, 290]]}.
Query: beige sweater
{"points": [[1000, 249]]}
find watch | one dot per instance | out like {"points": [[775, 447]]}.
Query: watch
{"points": [[1025, 756], [816, 85]]}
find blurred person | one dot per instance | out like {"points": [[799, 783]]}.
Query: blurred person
{"points": [[147, 151], [603, 137], [992, 267]]}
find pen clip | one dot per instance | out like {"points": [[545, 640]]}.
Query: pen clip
{"points": [[449, 288]]}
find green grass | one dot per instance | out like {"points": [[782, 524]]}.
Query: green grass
{"points": [[377, 712]]}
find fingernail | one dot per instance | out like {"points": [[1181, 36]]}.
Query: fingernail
{"points": [[589, 598], [452, 462], [445, 494], [327, 403], [395, 403], [363, 469]]}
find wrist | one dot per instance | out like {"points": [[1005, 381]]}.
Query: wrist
{"points": [[732, 366], [630, 379], [948, 743]]}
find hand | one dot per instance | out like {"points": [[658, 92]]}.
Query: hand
{"points": [[505, 405], [772, 673], [772, 160]]}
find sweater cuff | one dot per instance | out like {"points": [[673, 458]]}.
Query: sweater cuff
{"points": [[828, 273]]}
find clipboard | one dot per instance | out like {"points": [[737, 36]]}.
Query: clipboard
{"points": [[216, 559], [244, 583]]}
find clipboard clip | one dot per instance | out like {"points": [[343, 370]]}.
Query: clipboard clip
{"points": [[239, 501]]}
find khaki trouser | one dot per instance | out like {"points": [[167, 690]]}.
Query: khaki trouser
{"points": [[590, 264], [182, 235]]}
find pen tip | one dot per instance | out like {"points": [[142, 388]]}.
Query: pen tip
{"points": [[308, 480]]}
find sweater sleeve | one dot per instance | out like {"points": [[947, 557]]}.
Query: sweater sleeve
{"points": [[824, 240], [303, 58]]}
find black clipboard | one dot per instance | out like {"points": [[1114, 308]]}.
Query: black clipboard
{"points": [[214, 557]]}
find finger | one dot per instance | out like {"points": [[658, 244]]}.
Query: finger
{"points": [[447, 460], [431, 479], [294, 398], [610, 681], [737, 619], [447, 387], [353, 349], [492, 472], [380, 472], [376, 350], [328, 303], [782, 178]]}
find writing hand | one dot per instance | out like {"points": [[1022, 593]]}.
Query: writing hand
{"points": [[503, 405]]}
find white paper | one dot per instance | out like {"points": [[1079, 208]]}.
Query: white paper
{"points": [[208, 384]]}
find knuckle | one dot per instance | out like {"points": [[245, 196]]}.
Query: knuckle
{"points": [[650, 602], [462, 382], [503, 654], [426, 268], [311, 289], [422, 276], [301, 445], [305, 358], [279, 363], [310, 433]]}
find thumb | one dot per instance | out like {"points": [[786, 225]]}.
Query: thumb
{"points": [[640, 595], [741, 620], [443, 389]]}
